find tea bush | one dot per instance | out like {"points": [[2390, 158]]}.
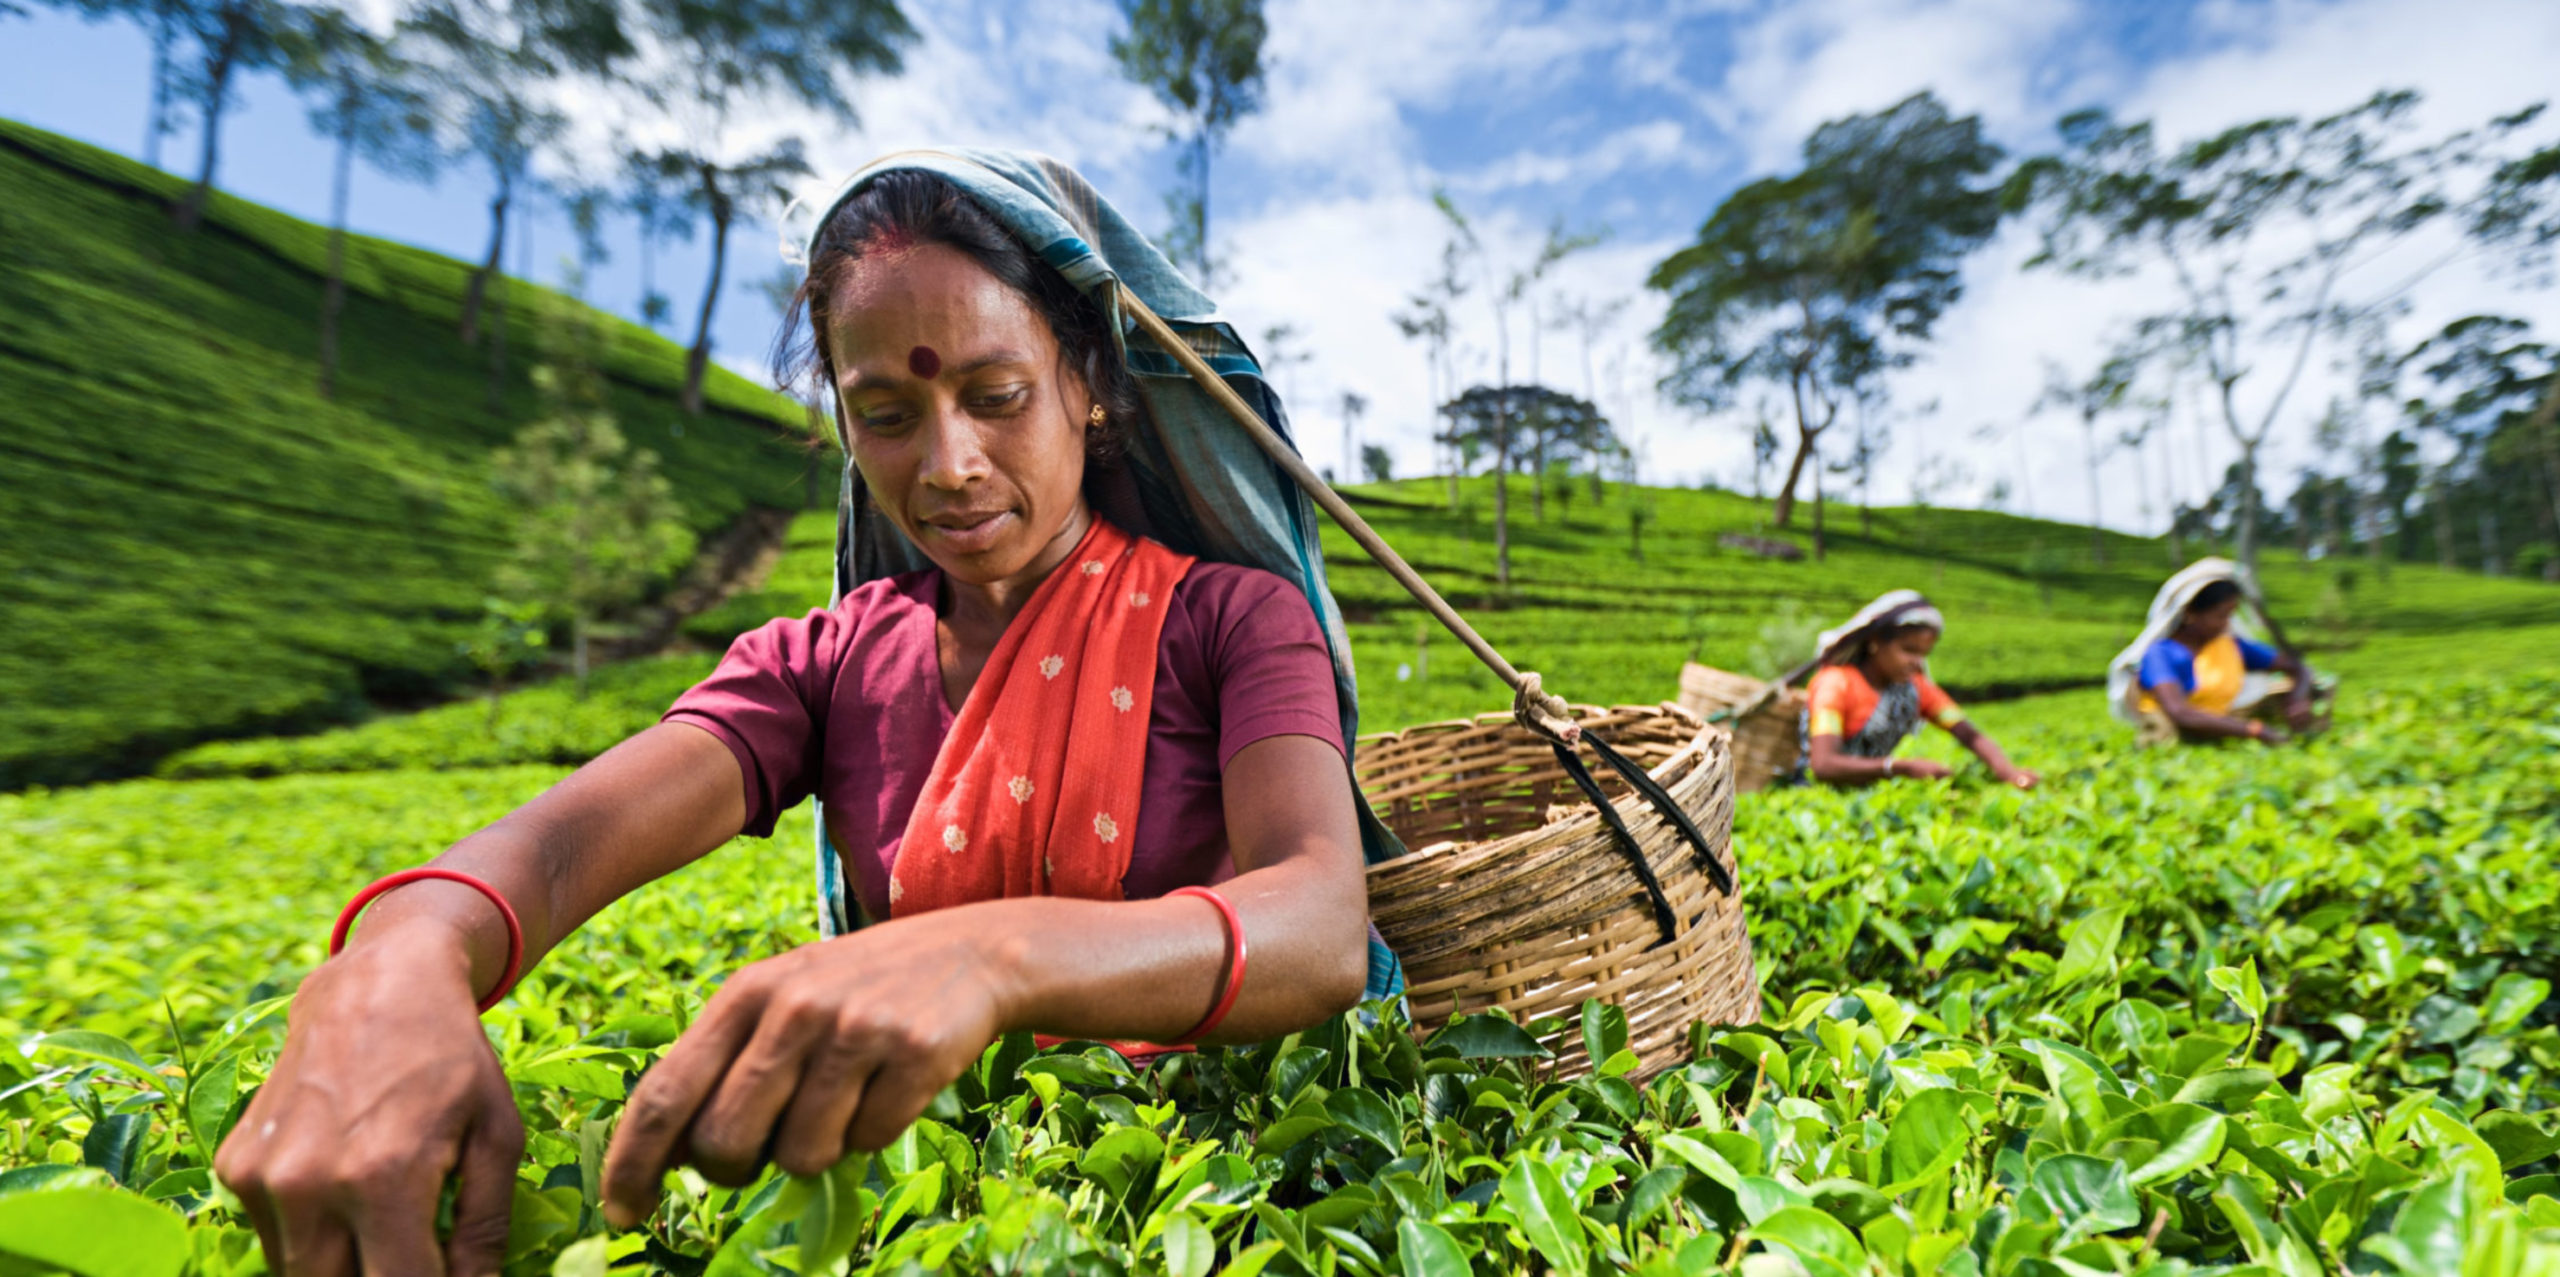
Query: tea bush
{"points": [[2245, 1010]]}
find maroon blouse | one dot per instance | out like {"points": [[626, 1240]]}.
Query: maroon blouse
{"points": [[846, 703]]}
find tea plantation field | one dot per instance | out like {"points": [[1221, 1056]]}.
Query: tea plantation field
{"points": [[2243, 1010], [194, 543]]}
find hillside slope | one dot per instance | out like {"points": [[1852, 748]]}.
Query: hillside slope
{"points": [[193, 543], [2027, 608]]}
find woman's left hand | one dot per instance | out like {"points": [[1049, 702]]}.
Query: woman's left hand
{"points": [[2020, 777], [831, 1047]]}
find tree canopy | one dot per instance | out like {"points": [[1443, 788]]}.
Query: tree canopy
{"points": [[1815, 282]]}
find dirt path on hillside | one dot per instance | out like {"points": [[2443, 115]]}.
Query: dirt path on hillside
{"points": [[733, 560]]}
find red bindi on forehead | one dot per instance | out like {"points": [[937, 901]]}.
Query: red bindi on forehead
{"points": [[923, 362]]}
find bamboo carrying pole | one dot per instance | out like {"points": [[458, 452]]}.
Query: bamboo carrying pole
{"points": [[1554, 718]]}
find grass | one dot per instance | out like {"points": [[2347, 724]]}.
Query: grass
{"points": [[198, 545]]}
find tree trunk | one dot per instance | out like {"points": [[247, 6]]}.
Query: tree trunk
{"points": [[1821, 549], [2097, 512], [497, 343], [1201, 145], [1502, 507], [1538, 467], [333, 295], [2442, 501], [698, 359], [578, 651], [478, 289], [2249, 507], [1795, 470], [217, 76], [2489, 565], [158, 121]]}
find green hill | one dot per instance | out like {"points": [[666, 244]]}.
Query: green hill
{"points": [[2028, 609], [2029, 606], [196, 544]]}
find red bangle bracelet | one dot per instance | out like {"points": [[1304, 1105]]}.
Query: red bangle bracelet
{"points": [[1235, 963], [515, 929]]}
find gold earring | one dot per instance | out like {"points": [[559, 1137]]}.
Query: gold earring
{"points": [[1096, 416]]}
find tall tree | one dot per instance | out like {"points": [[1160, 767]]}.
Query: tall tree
{"points": [[1354, 406], [661, 213], [1502, 421], [2492, 392], [230, 38], [2102, 393], [371, 105], [2274, 237], [598, 524], [488, 65], [1821, 280], [1428, 318], [715, 60], [159, 20], [1203, 60]]}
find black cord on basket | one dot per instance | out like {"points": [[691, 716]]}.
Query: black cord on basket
{"points": [[1573, 767], [1642, 782]]}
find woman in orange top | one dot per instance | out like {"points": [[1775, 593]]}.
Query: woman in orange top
{"points": [[1871, 693]]}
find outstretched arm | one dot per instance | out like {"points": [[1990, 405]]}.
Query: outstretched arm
{"points": [[1833, 765], [386, 1086], [840, 1045], [2200, 722], [2297, 702], [1988, 750]]}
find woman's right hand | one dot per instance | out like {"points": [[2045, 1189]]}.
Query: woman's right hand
{"points": [[385, 1088], [1921, 769]]}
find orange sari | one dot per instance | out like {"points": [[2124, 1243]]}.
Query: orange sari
{"points": [[1035, 792]]}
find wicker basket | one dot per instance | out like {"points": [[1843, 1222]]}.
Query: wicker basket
{"points": [[1767, 744], [1517, 896]]}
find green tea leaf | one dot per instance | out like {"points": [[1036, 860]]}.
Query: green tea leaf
{"points": [[1546, 1213], [1487, 1037], [2228, 1088], [96, 1232], [2083, 1195], [1604, 1030], [1812, 1236], [2190, 1137], [1189, 1248], [832, 1222], [1927, 1136], [2089, 946], [1425, 1250]]}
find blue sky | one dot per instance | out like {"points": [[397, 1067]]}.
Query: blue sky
{"points": [[1633, 118]]}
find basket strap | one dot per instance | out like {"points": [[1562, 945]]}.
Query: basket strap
{"points": [[1662, 915], [1536, 709], [1642, 782]]}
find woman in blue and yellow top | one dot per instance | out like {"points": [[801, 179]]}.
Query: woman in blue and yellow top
{"points": [[2190, 676]]}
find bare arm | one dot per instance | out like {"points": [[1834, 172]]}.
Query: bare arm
{"points": [[2183, 712], [842, 1044], [386, 1087], [641, 810], [1988, 750], [1834, 766]]}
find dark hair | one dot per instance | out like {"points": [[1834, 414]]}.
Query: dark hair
{"points": [[2214, 595], [907, 207]]}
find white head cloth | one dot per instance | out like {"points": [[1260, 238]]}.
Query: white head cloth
{"points": [[1902, 607], [2168, 611]]}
